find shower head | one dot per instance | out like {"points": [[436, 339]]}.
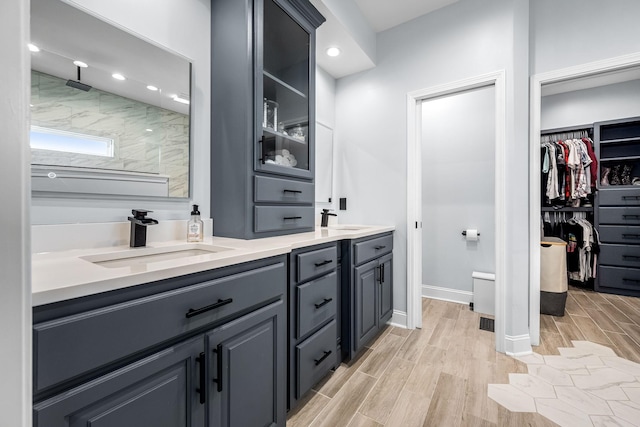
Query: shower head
{"points": [[77, 84]]}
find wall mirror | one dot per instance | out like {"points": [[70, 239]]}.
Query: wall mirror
{"points": [[109, 111]]}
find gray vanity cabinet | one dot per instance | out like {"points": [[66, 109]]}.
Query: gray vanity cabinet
{"points": [[155, 391], [206, 349], [314, 322], [262, 117], [367, 275]]}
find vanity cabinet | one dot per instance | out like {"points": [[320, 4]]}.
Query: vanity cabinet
{"points": [[262, 116], [314, 323], [367, 290], [207, 349]]}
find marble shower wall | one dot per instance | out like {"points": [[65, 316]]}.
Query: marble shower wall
{"points": [[163, 151]]}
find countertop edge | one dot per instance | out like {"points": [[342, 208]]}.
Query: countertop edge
{"points": [[60, 276]]}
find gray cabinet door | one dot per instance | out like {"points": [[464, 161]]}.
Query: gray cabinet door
{"points": [[159, 391], [247, 370], [366, 309], [386, 290]]}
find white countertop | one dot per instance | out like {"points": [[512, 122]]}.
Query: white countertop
{"points": [[58, 276]]}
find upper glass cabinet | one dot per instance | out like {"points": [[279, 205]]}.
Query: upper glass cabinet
{"points": [[283, 115]]}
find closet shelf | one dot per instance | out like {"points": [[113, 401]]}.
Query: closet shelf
{"points": [[620, 141], [619, 159], [566, 209]]}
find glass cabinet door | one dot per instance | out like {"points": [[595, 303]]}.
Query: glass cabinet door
{"points": [[285, 106]]}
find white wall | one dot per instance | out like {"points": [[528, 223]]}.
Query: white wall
{"points": [[15, 260], [581, 107], [572, 32], [326, 116], [463, 40], [182, 26]]}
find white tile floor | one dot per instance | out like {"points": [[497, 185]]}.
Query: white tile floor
{"points": [[587, 385]]}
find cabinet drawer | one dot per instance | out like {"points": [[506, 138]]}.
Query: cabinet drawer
{"points": [[370, 249], [74, 345], [619, 277], [314, 263], [621, 215], [619, 234], [278, 218], [276, 190], [315, 357], [316, 302], [619, 197], [620, 255]]}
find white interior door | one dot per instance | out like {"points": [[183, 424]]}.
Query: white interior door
{"points": [[458, 190]]}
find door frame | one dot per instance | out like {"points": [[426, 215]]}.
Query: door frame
{"points": [[414, 194], [535, 193]]}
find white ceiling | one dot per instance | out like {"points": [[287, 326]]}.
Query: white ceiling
{"points": [[385, 14], [377, 15]]}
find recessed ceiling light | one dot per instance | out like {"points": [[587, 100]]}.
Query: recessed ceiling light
{"points": [[33, 48], [152, 87], [149, 130], [80, 64], [118, 76], [333, 51], [180, 100]]}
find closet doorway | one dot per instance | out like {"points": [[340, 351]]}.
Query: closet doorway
{"points": [[441, 116], [577, 78]]}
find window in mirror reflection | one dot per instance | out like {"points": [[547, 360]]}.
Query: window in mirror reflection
{"points": [[70, 142]]}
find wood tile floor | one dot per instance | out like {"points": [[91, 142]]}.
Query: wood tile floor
{"points": [[439, 375]]}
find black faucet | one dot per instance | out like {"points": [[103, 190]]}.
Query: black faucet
{"points": [[139, 223], [325, 217]]}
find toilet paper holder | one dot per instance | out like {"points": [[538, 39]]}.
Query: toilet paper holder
{"points": [[464, 232]]}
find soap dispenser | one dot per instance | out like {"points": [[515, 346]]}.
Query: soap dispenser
{"points": [[195, 226]]}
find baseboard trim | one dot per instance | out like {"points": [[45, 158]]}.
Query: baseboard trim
{"points": [[519, 345], [399, 319], [446, 294]]}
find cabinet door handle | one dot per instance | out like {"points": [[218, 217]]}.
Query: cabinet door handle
{"points": [[630, 197], [325, 262], [218, 304], [218, 381], [202, 390], [291, 191], [323, 303], [624, 279], [631, 216], [261, 149], [292, 217], [631, 236], [324, 356], [633, 257], [377, 248], [381, 273]]}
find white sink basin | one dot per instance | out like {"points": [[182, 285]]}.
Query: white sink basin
{"points": [[348, 227], [148, 255]]}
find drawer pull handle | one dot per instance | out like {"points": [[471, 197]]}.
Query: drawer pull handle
{"points": [[219, 304], [202, 390], [624, 279], [630, 216], [631, 236], [292, 217], [325, 262], [630, 197], [218, 381], [323, 303], [324, 356], [377, 248], [291, 191], [633, 257]]}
